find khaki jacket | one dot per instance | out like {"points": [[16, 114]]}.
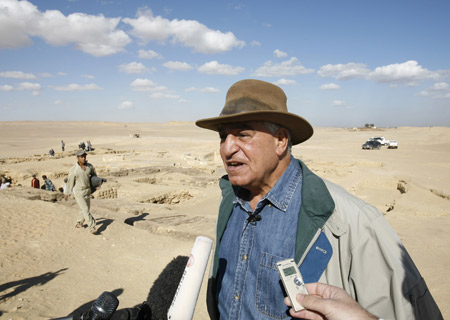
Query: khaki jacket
{"points": [[79, 180], [368, 259]]}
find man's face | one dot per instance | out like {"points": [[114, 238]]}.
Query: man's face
{"points": [[250, 154], [81, 159]]}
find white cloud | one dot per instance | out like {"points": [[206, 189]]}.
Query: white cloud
{"points": [[209, 90], [77, 87], [409, 72], [125, 105], [255, 43], [46, 75], [162, 95], [35, 88], [289, 67], [439, 90], [6, 87], [133, 68], [149, 54], [329, 86], [440, 86], [444, 74], [338, 103], [94, 35], [342, 104], [214, 67], [146, 85], [343, 71], [176, 65], [206, 90], [29, 86], [280, 54], [16, 18], [189, 33], [285, 82], [423, 93], [17, 75], [142, 83], [88, 76]]}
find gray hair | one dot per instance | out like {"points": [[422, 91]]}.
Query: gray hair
{"points": [[273, 128]]}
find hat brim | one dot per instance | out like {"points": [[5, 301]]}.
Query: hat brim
{"points": [[300, 129]]}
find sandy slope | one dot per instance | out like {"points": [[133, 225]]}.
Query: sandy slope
{"points": [[162, 192]]}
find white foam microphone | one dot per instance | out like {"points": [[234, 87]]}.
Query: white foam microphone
{"points": [[185, 299]]}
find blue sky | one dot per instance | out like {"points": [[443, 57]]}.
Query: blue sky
{"points": [[341, 63]]}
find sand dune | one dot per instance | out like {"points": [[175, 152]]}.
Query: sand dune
{"points": [[162, 191]]}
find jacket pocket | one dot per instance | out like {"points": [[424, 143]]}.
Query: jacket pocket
{"points": [[269, 289]]}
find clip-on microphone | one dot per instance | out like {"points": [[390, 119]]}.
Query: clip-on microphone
{"points": [[254, 218]]}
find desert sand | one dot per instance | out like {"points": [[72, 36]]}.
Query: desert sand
{"points": [[162, 191]]}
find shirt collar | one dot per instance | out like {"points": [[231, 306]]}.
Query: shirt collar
{"points": [[280, 195]]}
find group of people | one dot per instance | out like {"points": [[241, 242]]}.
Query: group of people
{"points": [[51, 152], [85, 146], [78, 183], [5, 182], [81, 145], [35, 183], [47, 185], [274, 208]]}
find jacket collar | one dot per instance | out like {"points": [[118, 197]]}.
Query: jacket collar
{"points": [[317, 206]]}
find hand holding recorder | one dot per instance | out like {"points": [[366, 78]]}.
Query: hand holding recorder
{"points": [[326, 302]]}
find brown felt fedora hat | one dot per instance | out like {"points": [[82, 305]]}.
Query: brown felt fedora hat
{"points": [[256, 100]]}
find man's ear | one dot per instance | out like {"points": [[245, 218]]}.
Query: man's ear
{"points": [[282, 141]]}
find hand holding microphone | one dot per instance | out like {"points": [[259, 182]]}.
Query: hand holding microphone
{"points": [[102, 309], [183, 304]]}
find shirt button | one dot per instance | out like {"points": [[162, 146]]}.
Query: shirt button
{"points": [[236, 297], [270, 205], [244, 257]]}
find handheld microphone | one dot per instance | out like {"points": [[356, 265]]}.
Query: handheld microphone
{"points": [[102, 309], [185, 299]]}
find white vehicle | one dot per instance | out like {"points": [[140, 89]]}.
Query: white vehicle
{"points": [[382, 140], [392, 144]]}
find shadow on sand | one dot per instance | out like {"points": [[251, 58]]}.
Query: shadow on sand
{"points": [[102, 224], [132, 220], [25, 284]]}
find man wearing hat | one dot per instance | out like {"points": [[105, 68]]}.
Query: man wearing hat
{"points": [[274, 208], [79, 180]]}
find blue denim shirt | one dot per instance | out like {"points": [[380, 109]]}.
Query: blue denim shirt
{"points": [[249, 285]]}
